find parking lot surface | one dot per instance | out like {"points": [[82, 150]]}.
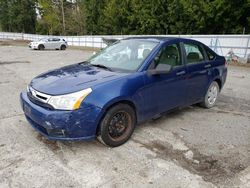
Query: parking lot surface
{"points": [[191, 147]]}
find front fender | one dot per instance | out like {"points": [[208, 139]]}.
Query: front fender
{"points": [[127, 88]]}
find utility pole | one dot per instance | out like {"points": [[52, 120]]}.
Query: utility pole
{"points": [[63, 17]]}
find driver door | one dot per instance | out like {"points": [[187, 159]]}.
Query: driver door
{"points": [[166, 89]]}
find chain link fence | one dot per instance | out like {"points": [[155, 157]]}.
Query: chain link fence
{"points": [[231, 46]]}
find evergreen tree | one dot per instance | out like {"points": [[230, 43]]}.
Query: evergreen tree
{"points": [[18, 15], [79, 17], [93, 13]]}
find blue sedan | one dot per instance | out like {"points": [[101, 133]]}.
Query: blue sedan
{"points": [[131, 81]]}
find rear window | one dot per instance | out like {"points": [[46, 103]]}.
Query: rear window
{"points": [[210, 54]]}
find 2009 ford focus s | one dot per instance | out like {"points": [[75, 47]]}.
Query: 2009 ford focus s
{"points": [[129, 82]]}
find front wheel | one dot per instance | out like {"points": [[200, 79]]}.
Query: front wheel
{"points": [[211, 95], [117, 125], [41, 47]]}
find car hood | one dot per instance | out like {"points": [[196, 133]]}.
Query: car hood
{"points": [[72, 78], [34, 42]]}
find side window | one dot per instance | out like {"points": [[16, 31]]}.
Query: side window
{"points": [[168, 56], [56, 40], [194, 53]]}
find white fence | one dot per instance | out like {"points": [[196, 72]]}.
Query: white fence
{"points": [[222, 44]]}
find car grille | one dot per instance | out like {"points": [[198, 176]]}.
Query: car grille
{"points": [[39, 98]]}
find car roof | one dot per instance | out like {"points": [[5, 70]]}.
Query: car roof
{"points": [[160, 38], [51, 38]]}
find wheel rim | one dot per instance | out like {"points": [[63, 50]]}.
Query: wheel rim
{"points": [[212, 94], [119, 125]]}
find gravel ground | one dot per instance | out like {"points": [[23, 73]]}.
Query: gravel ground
{"points": [[191, 147]]}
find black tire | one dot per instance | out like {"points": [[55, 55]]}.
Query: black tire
{"points": [[207, 101], [63, 47], [41, 47], [117, 126]]}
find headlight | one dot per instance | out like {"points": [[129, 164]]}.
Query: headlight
{"points": [[70, 101]]}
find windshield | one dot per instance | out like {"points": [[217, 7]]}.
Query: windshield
{"points": [[124, 55], [43, 39]]}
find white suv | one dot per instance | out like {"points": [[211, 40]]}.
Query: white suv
{"points": [[49, 43]]}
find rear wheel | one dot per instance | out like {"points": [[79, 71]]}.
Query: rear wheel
{"points": [[211, 95], [63, 47], [117, 125], [41, 47]]}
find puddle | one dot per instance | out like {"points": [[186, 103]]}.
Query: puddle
{"points": [[52, 145], [210, 168]]}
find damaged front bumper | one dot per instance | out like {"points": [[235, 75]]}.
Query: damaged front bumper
{"points": [[78, 124]]}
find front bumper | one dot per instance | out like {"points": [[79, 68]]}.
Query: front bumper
{"points": [[33, 47], [78, 124]]}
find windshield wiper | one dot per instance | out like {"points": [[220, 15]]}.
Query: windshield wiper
{"points": [[102, 66], [84, 63]]}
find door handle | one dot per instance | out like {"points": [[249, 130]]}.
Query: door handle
{"points": [[203, 72], [207, 66], [180, 73]]}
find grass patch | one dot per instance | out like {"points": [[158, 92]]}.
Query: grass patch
{"points": [[14, 42]]}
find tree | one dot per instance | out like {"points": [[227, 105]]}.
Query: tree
{"points": [[93, 13], [225, 17], [149, 17], [18, 15], [79, 17], [115, 20], [50, 12], [208, 17], [75, 18]]}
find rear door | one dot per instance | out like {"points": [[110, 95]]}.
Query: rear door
{"points": [[56, 43], [198, 70]]}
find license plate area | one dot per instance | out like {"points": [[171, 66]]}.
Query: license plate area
{"points": [[26, 109]]}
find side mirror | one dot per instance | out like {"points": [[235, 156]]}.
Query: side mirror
{"points": [[160, 69]]}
